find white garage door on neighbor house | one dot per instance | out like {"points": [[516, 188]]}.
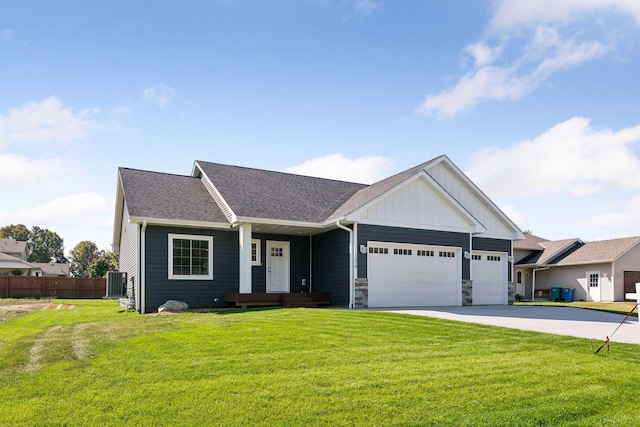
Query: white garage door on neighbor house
{"points": [[403, 275]]}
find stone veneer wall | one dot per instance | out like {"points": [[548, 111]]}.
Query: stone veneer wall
{"points": [[511, 296], [467, 292], [362, 293]]}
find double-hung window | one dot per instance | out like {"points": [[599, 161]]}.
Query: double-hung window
{"points": [[190, 257]]}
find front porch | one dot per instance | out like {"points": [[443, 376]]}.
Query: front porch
{"points": [[296, 299]]}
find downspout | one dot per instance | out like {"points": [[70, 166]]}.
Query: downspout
{"points": [[142, 282], [351, 284], [533, 285]]}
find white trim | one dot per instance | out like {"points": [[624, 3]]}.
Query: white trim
{"points": [[172, 276], [258, 261], [588, 285], [179, 222], [271, 221], [215, 194], [244, 237]]}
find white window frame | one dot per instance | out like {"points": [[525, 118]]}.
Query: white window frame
{"points": [[208, 276], [258, 259]]}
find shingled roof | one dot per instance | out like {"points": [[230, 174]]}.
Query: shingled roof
{"points": [[266, 194], [166, 196], [601, 251], [12, 246]]}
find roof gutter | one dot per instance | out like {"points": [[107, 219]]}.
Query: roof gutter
{"points": [[351, 264]]}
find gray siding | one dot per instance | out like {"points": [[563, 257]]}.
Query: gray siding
{"points": [[129, 250], [410, 235], [330, 266], [196, 293], [495, 245], [299, 262]]}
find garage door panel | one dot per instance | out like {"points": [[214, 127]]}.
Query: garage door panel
{"points": [[413, 276], [489, 271]]}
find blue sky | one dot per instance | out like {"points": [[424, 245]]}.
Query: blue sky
{"points": [[538, 102]]}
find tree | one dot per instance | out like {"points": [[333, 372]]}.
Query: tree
{"points": [[17, 232], [82, 256], [99, 268], [45, 245]]}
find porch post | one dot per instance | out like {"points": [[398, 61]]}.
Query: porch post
{"points": [[245, 259]]}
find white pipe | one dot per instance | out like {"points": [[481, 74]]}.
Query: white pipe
{"points": [[351, 283], [143, 270]]}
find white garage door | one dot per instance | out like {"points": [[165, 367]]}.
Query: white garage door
{"points": [[489, 275], [402, 275]]}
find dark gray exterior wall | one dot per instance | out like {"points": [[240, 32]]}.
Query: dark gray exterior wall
{"points": [[299, 265], [412, 236], [496, 245], [226, 268], [330, 265], [196, 293]]}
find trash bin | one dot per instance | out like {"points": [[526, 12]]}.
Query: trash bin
{"points": [[567, 294], [555, 294]]}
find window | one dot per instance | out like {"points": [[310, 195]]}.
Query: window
{"points": [[519, 277], [256, 255], [424, 253], [476, 257], [397, 251], [446, 254], [594, 280], [373, 250], [190, 257], [493, 258]]}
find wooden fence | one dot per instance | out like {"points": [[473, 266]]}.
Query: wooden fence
{"points": [[47, 287]]}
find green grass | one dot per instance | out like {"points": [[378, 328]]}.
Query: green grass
{"points": [[611, 307], [96, 364]]}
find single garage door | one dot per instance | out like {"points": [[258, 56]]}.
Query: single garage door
{"points": [[489, 275], [403, 275]]}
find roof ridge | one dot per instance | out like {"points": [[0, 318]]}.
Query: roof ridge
{"points": [[157, 172]]}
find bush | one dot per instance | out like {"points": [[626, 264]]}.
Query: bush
{"points": [[17, 272]]}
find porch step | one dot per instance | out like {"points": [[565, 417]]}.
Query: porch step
{"points": [[299, 300]]}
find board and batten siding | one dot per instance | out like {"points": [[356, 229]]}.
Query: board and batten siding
{"points": [[469, 199], [299, 262], [415, 205], [330, 265], [196, 293], [367, 233], [129, 250]]}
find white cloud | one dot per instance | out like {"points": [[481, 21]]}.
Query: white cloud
{"points": [[571, 157], [75, 217], [7, 34], [366, 7], [534, 40], [23, 172], [626, 216], [365, 170], [530, 13], [160, 94], [44, 122]]}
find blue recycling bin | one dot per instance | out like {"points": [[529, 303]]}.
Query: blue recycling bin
{"points": [[567, 294], [555, 294]]}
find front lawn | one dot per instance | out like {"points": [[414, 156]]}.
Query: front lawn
{"points": [[91, 363]]}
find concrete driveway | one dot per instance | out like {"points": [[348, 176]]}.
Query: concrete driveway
{"points": [[576, 322]]}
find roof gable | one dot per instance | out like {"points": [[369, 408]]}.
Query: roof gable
{"points": [[11, 246], [418, 202], [165, 196], [601, 251]]}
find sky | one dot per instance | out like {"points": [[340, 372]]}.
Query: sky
{"points": [[537, 102]]}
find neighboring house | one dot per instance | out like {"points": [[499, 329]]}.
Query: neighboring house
{"points": [[424, 237], [52, 269], [597, 271], [13, 256]]}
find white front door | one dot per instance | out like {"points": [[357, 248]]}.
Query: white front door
{"points": [[277, 266], [593, 285]]}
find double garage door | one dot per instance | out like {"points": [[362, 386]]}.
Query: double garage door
{"points": [[404, 275]]}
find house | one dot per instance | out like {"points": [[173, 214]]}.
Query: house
{"points": [[13, 256], [52, 269], [597, 271], [423, 237]]}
